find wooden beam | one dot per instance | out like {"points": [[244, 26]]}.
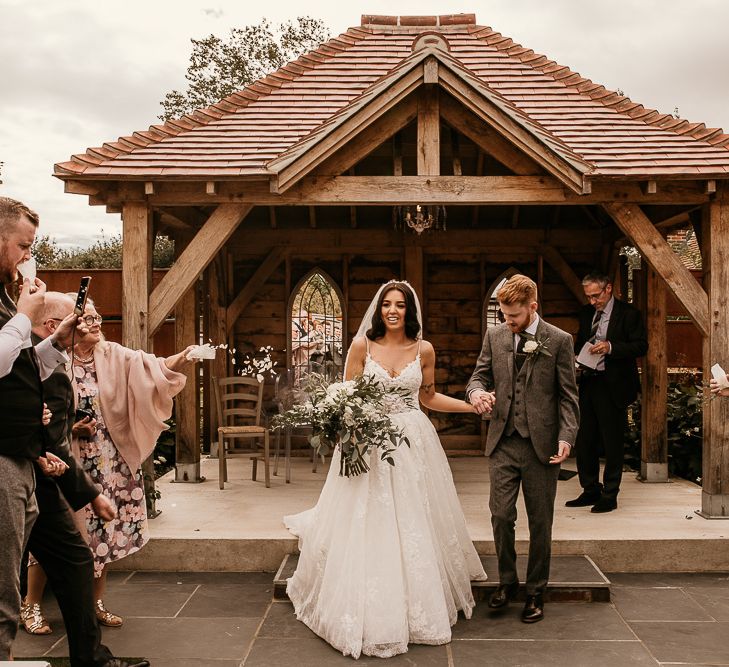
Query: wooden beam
{"points": [[479, 172], [148, 188], [370, 138], [206, 244], [211, 188], [312, 217], [650, 187], [430, 71], [386, 239], [291, 168], [715, 476], [384, 190], [656, 251], [81, 188], [136, 275], [486, 138], [565, 271], [397, 154], [710, 187], [455, 152], [654, 392], [569, 170], [257, 280], [428, 147], [272, 217]]}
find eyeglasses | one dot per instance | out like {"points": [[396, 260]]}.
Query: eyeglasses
{"points": [[595, 297], [92, 319]]}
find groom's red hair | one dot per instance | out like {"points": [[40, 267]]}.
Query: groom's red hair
{"points": [[518, 289]]}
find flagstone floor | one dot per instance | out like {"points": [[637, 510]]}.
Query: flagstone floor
{"points": [[229, 620]]}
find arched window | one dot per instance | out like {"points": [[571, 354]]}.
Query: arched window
{"points": [[491, 314], [316, 327]]}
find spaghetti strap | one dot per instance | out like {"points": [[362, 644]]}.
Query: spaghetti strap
{"points": [[420, 340], [367, 343]]}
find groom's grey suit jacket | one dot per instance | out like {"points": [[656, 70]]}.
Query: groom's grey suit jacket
{"points": [[552, 408]]}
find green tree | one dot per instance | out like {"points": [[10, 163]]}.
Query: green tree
{"points": [[219, 67], [105, 253]]}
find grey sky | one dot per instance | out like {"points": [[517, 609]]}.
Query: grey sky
{"points": [[77, 73]]}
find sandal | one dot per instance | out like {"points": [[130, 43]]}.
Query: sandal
{"points": [[32, 619], [105, 617]]}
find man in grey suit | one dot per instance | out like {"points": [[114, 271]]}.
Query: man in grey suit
{"points": [[525, 377]]}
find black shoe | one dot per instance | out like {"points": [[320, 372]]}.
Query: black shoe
{"points": [[583, 500], [118, 662], [605, 505], [503, 594], [533, 609]]}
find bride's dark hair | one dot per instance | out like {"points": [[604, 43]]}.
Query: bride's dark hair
{"points": [[412, 326]]}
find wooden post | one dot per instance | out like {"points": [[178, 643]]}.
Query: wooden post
{"points": [[137, 234], [715, 477], [136, 274], [428, 132], [187, 403], [218, 329], [654, 414], [414, 273]]}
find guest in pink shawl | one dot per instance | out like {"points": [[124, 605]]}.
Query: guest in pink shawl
{"points": [[128, 394]]}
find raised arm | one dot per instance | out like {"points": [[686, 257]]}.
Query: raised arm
{"points": [[428, 395]]}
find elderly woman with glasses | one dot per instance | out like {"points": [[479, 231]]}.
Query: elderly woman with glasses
{"points": [[125, 396]]}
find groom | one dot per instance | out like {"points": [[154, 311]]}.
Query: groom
{"points": [[525, 377]]}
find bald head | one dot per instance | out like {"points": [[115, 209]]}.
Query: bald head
{"points": [[57, 306]]}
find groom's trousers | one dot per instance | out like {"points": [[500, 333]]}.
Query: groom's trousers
{"points": [[512, 464]]}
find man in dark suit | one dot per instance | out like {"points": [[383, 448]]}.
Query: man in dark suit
{"points": [[530, 366], [23, 439], [55, 541], [615, 337]]}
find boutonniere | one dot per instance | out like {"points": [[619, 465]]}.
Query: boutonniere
{"points": [[535, 346]]}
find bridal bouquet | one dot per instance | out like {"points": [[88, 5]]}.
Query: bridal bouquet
{"points": [[350, 415]]}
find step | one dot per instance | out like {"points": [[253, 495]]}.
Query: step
{"points": [[572, 579]]}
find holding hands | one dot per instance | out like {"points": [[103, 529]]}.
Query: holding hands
{"points": [[482, 401], [51, 465]]}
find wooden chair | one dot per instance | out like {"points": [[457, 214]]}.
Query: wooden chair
{"points": [[239, 401], [283, 398]]}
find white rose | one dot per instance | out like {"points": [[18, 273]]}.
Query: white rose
{"points": [[530, 346]]}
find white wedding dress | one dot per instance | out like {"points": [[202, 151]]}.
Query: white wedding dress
{"points": [[386, 558]]}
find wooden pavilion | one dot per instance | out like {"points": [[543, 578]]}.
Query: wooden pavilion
{"points": [[539, 170]]}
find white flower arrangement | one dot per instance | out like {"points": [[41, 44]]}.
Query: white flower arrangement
{"points": [[349, 415]]}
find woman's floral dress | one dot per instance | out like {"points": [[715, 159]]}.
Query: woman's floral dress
{"points": [[109, 540]]}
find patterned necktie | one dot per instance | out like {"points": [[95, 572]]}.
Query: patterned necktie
{"points": [[595, 324], [520, 355]]}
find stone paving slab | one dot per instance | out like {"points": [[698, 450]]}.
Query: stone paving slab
{"points": [[230, 620]]}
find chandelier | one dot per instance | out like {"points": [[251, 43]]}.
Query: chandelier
{"points": [[419, 217]]}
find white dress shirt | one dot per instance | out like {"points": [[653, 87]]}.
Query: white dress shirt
{"points": [[15, 336]]}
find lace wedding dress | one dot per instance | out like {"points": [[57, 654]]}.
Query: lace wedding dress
{"points": [[386, 558]]}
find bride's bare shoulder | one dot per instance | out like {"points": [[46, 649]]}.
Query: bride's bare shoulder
{"points": [[426, 349]]}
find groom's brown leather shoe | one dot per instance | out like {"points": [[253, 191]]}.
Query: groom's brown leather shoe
{"points": [[533, 609], [503, 595]]}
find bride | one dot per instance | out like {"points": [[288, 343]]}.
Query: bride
{"points": [[386, 558]]}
